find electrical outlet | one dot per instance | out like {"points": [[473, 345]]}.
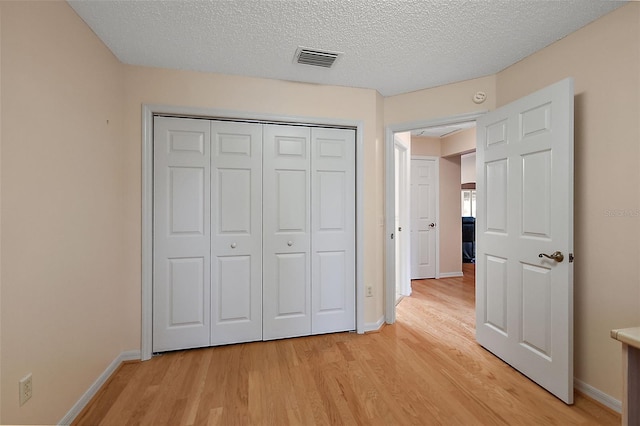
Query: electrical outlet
{"points": [[369, 291], [26, 388]]}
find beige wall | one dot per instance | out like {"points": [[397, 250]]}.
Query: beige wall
{"points": [[604, 60], [450, 217], [0, 215], [439, 102], [379, 214], [460, 142], [62, 209], [468, 168], [424, 145]]}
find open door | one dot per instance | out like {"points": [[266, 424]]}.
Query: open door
{"points": [[524, 277]]}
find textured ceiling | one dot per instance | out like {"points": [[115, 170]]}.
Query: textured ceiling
{"points": [[393, 46]]}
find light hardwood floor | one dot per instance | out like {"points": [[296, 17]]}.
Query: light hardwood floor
{"points": [[426, 369]]}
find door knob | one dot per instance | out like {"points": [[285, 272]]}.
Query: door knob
{"points": [[289, 243], [557, 256], [233, 245], [400, 229], [432, 225]]}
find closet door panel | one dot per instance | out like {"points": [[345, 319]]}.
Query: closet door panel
{"points": [[291, 297], [333, 230], [236, 228], [286, 221], [234, 288], [181, 244], [291, 192]]}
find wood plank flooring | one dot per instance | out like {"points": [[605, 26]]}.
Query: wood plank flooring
{"points": [[424, 370]]}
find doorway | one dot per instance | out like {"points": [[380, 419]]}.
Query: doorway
{"points": [[391, 279]]}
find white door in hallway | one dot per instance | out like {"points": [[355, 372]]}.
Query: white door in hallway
{"points": [[424, 192], [181, 265], [236, 232], [524, 279]]}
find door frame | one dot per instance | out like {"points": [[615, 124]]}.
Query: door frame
{"points": [[389, 199], [403, 240], [148, 111]]}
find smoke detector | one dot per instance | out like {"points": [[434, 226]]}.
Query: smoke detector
{"points": [[316, 57]]}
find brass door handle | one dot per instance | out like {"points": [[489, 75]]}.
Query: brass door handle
{"points": [[557, 256]]}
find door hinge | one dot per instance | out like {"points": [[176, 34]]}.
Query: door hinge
{"points": [[570, 257]]}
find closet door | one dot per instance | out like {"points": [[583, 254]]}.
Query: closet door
{"points": [[286, 222], [236, 232], [333, 230], [181, 244]]}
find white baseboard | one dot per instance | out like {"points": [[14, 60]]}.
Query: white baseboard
{"points": [[374, 326], [451, 274], [598, 395], [95, 387]]}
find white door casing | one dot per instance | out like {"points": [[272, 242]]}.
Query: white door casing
{"points": [[524, 303], [333, 230], [402, 153], [150, 114], [181, 231], [236, 228], [389, 201], [287, 232], [424, 222]]}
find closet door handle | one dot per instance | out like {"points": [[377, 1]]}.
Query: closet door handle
{"points": [[233, 245], [289, 243]]}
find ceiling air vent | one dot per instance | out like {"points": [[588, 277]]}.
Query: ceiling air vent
{"points": [[316, 57]]}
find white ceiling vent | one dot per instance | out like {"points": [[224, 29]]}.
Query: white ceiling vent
{"points": [[316, 57]]}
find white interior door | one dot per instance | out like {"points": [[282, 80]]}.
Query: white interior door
{"points": [[181, 265], [333, 230], [236, 228], [424, 192], [287, 236], [524, 301], [402, 155]]}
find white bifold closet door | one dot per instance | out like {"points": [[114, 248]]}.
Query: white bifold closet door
{"points": [[287, 232], [333, 230], [181, 234], [236, 232], [309, 231], [254, 232]]}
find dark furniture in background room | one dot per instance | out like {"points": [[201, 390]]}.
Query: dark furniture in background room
{"points": [[468, 239]]}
